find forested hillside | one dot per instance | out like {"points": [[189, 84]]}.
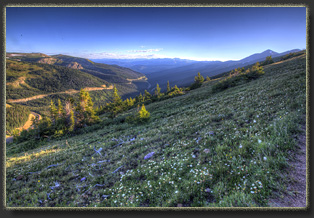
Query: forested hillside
{"points": [[33, 79]]}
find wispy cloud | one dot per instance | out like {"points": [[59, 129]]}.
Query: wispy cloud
{"points": [[107, 55], [145, 51]]}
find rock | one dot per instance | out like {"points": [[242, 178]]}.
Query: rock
{"points": [[211, 133], [149, 155], [208, 190], [198, 139], [75, 65], [19, 177], [206, 150], [47, 60]]}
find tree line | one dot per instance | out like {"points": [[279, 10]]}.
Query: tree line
{"points": [[63, 119]]}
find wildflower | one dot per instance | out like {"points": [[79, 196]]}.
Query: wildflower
{"points": [[240, 146], [254, 121], [38, 180], [265, 158], [259, 141]]}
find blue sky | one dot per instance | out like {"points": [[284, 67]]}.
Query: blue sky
{"points": [[199, 33]]}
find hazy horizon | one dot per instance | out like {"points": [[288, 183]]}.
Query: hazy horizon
{"points": [[195, 33]]}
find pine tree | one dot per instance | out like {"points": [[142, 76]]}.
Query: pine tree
{"points": [[53, 112], [207, 78], [116, 106], [132, 101], [116, 97], [199, 78], [268, 60], [147, 95], [60, 109], [71, 121], [168, 86], [85, 113], [140, 98], [157, 91], [143, 115]]}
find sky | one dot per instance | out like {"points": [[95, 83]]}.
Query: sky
{"points": [[197, 33]]}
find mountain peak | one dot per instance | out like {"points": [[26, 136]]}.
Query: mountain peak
{"points": [[259, 56]]}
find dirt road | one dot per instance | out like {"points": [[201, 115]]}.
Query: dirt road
{"points": [[72, 91], [26, 126]]}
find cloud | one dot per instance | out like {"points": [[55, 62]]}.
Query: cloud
{"points": [[145, 51], [107, 55]]}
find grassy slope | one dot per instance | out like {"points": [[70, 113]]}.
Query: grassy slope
{"points": [[249, 131]]}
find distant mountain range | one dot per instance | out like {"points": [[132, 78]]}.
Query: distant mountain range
{"points": [[182, 71], [177, 71], [147, 66]]}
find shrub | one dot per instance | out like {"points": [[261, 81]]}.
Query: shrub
{"points": [[141, 116], [235, 79]]}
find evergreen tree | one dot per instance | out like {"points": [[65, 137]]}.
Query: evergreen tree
{"points": [[53, 112], [132, 102], [199, 78], [60, 109], [207, 78], [168, 86], [268, 60], [157, 91], [140, 98], [143, 115], [116, 97], [116, 106], [85, 113], [147, 95], [71, 121]]}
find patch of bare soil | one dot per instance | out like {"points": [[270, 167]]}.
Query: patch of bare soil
{"points": [[295, 195]]}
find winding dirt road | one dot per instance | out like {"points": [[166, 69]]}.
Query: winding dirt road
{"points": [[71, 91], [138, 79], [26, 126]]}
